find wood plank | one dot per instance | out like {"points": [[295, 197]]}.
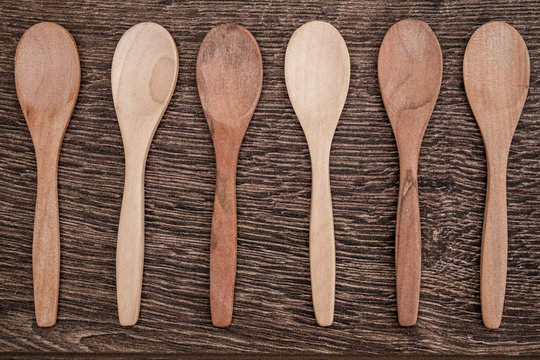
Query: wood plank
{"points": [[273, 310]]}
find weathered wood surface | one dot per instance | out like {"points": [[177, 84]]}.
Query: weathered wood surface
{"points": [[273, 310]]}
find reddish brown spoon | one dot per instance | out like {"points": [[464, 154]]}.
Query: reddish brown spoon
{"points": [[47, 76], [229, 78], [410, 74], [496, 74]]}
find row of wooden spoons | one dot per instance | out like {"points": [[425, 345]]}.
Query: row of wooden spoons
{"points": [[229, 78]]}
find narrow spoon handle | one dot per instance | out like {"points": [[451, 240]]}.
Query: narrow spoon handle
{"points": [[223, 245], [493, 260], [408, 247], [130, 246], [322, 253], [46, 245]]}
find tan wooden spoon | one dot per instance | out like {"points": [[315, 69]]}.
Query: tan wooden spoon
{"points": [[143, 77], [47, 77], [229, 78], [496, 74], [317, 72], [410, 74]]}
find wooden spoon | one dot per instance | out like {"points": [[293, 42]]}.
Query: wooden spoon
{"points": [[229, 78], [410, 74], [496, 75], [47, 77], [143, 77], [317, 72]]}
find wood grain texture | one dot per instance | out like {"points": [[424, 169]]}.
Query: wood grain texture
{"points": [[410, 68], [496, 74], [317, 74], [47, 77], [144, 71], [273, 308], [229, 80]]}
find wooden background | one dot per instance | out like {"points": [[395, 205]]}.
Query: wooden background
{"points": [[273, 311]]}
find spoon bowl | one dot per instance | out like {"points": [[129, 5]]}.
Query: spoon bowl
{"points": [[496, 74], [229, 79], [47, 77], [317, 73], [143, 77], [410, 75]]}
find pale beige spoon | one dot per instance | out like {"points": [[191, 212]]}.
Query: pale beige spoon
{"points": [[47, 77], [143, 77], [317, 72], [496, 74]]}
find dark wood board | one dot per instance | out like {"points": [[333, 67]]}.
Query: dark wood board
{"points": [[273, 311]]}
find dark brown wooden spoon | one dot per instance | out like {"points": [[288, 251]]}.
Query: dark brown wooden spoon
{"points": [[47, 77], [229, 78]]}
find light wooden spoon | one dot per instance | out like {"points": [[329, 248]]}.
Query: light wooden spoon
{"points": [[143, 77], [229, 78], [47, 77], [410, 74], [317, 72], [496, 74]]}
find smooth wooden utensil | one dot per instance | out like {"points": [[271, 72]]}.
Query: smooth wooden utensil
{"points": [[410, 73], [47, 77], [143, 77], [317, 72], [496, 74], [229, 78]]}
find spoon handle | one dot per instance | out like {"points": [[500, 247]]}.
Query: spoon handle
{"points": [[223, 244], [493, 260], [46, 245], [408, 247], [130, 246], [322, 252]]}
